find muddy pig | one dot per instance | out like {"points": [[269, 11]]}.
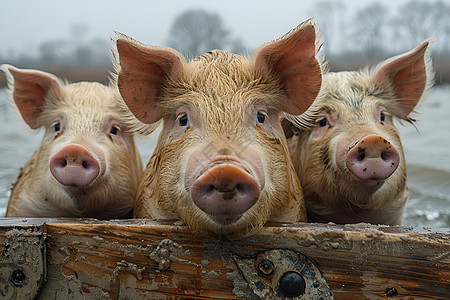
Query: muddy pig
{"points": [[221, 163], [87, 164], [348, 154]]}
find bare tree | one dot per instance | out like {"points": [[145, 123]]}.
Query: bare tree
{"points": [[196, 31], [329, 16], [370, 22], [83, 56], [76, 51], [78, 32], [52, 52], [418, 20], [101, 52], [82, 53]]}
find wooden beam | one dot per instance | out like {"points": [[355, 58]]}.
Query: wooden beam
{"points": [[146, 259]]}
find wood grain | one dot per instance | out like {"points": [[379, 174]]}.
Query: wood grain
{"points": [[144, 259]]}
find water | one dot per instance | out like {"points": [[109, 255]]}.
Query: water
{"points": [[427, 151]]}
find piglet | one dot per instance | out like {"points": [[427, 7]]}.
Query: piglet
{"points": [[222, 163], [87, 164], [348, 154]]}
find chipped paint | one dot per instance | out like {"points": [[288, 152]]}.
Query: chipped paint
{"points": [[22, 264], [164, 254]]}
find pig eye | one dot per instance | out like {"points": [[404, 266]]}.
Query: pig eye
{"points": [[382, 117], [56, 126], [183, 120], [260, 117], [323, 122], [114, 130]]}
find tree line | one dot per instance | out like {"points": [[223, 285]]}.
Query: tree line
{"points": [[349, 39]]}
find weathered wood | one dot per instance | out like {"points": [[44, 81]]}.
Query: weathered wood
{"points": [[22, 263], [144, 259]]}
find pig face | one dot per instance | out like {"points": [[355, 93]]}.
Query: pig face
{"points": [[87, 164], [221, 163], [348, 155]]}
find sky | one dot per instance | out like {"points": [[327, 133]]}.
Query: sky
{"points": [[25, 24]]}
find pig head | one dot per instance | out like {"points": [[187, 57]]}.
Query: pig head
{"points": [[87, 164], [347, 152], [221, 163]]}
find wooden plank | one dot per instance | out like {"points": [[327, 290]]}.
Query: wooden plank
{"points": [[22, 260], [6, 224], [144, 259]]}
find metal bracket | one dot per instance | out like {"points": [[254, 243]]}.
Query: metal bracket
{"points": [[283, 273], [22, 264]]}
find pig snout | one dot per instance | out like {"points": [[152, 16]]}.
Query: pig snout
{"points": [[74, 166], [225, 191], [373, 158]]}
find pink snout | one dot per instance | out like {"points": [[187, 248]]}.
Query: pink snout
{"points": [[225, 192], [75, 166], [373, 158]]}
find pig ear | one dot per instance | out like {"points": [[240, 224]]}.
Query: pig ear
{"points": [[29, 89], [293, 59], [142, 71], [409, 74]]}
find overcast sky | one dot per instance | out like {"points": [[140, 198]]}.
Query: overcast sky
{"points": [[24, 25]]}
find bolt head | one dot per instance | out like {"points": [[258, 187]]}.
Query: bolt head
{"points": [[18, 276], [292, 284]]}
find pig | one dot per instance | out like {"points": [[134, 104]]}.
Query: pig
{"points": [[221, 164], [347, 152], [87, 164]]}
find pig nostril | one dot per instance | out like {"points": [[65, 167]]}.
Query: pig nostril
{"points": [[210, 188], [360, 156], [60, 163], [85, 164], [385, 155], [239, 187]]}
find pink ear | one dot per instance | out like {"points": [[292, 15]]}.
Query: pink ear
{"points": [[409, 75], [142, 71], [30, 89], [293, 59]]}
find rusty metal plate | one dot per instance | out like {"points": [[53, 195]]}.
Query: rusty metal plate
{"points": [[22, 264], [283, 274]]}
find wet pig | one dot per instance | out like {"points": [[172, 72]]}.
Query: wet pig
{"points": [[348, 154], [87, 164], [221, 163]]}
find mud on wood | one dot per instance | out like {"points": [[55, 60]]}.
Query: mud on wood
{"points": [[145, 259]]}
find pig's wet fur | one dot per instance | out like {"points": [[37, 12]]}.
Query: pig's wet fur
{"points": [[85, 111], [174, 192], [220, 93], [353, 101]]}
